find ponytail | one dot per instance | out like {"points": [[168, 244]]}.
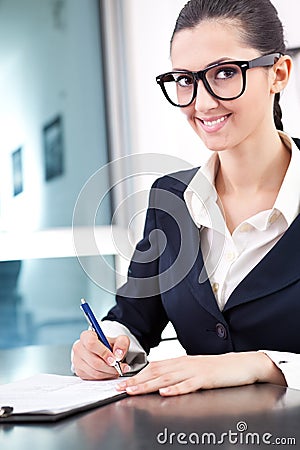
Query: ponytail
{"points": [[277, 113]]}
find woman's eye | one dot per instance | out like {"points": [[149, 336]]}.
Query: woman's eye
{"points": [[184, 81], [225, 73]]}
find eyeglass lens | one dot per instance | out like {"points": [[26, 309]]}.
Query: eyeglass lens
{"points": [[225, 81]]}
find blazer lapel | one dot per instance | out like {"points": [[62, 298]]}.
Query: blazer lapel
{"points": [[183, 237], [278, 269]]}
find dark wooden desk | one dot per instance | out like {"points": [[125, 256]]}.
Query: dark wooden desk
{"points": [[226, 418]]}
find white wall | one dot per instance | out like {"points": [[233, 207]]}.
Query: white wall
{"points": [[290, 101]]}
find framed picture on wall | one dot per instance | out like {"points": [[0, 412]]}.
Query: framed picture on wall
{"points": [[17, 171], [53, 148]]}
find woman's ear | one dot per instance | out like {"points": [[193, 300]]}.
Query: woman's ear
{"points": [[281, 71]]}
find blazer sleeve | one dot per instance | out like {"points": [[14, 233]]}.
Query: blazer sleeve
{"points": [[138, 302]]}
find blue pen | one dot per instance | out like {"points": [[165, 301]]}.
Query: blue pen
{"points": [[96, 327]]}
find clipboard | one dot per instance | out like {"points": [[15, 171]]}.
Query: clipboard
{"points": [[44, 383], [8, 416]]}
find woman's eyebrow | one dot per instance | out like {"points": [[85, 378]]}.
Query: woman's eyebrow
{"points": [[220, 60]]}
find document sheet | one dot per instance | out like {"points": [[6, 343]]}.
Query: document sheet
{"points": [[53, 394]]}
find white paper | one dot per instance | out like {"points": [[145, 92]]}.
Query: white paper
{"points": [[51, 394]]}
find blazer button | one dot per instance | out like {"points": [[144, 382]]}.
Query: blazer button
{"points": [[221, 331]]}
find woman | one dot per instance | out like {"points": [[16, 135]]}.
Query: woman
{"points": [[220, 252]]}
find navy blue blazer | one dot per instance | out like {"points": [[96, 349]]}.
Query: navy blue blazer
{"points": [[167, 282]]}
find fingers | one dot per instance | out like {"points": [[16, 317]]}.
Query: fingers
{"points": [[184, 387], [158, 376], [94, 361], [89, 358], [120, 347]]}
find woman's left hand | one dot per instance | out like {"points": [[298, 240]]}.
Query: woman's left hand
{"points": [[190, 373]]}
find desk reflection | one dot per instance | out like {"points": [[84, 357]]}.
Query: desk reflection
{"points": [[144, 417], [216, 402]]}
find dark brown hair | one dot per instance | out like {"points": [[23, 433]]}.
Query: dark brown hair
{"points": [[259, 23]]}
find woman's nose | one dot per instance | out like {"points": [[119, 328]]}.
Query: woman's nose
{"points": [[204, 101]]}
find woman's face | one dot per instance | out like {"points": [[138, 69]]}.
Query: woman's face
{"points": [[223, 125]]}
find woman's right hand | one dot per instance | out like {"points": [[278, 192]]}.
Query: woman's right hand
{"points": [[93, 361]]}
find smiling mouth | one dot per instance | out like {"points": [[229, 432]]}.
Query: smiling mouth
{"points": [[211, 123]]}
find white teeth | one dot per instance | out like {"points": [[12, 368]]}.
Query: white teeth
{"points": [[209, 123]]}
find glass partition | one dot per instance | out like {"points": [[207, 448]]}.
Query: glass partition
{"points": [[40, 299], [53, 138]]}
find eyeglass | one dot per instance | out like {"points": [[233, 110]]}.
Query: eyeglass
{"points": [[224, 81]]}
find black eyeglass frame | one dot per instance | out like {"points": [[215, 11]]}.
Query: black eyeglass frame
{"points": [[261, 61]]}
